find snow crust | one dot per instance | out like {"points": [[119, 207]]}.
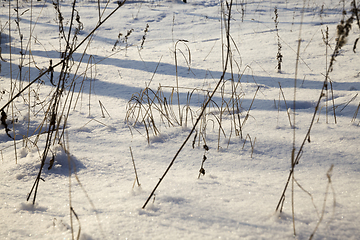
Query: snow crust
{"points": [[238, 195]]}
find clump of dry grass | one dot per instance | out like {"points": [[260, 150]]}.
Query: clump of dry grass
{"points": [[231, 105], [343, 30], [55, 108]]}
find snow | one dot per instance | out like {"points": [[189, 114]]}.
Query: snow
{"points": [[93, 174]]}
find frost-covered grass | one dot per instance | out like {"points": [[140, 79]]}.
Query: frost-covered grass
{"points": [[91, 183]]}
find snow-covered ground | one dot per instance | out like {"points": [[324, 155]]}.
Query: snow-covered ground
{"points": [[243, 182]]}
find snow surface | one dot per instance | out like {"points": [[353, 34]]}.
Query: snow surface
{"points": [[238, 195]]}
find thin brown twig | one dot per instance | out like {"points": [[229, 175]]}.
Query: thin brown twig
{"points": [[203, 109], [133, 161]]}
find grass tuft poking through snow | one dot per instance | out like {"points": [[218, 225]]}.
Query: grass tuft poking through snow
{"points": [[166, 119]]}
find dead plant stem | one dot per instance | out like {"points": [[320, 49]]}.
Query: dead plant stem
{"points": [[204, 107]]}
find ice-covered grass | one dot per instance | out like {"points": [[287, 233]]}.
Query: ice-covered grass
{"points": [[244, 178]]}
